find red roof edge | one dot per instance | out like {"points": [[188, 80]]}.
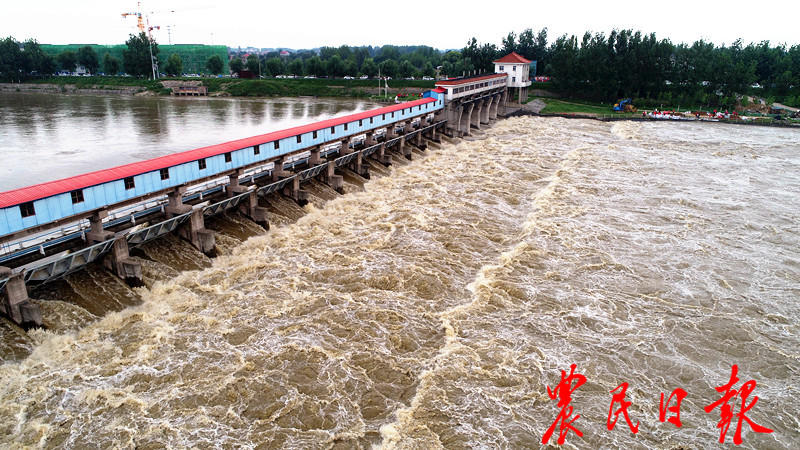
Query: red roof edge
{"points": [[56, 187], [513, 57]]}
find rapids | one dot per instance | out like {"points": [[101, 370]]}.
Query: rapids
{"points": [[432, 307]]}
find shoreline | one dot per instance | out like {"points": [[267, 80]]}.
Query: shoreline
{"points": [[525, 112]]}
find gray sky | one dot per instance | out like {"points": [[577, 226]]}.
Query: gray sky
{"points": [[441, 24]]}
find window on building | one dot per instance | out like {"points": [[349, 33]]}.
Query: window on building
{"points": [[502, 68], [361, 122], [256, 149], [383, 117], [333, 130], [345, 127], [314, 135], [27, 209], [370, 119], [277, 144], [201, 164], [164, 174], [392, 114], [228, 157], [514, 68], [513, 79], [299, 139], [129, 183], [77, 196]]}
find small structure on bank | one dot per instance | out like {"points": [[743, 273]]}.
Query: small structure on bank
{"points": [[193, 88], [517, 69]]}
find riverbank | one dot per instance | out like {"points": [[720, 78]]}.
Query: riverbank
{"points": [[221, 87], [574, 109]]}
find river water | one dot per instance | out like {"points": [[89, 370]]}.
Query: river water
{"points": [[432, 307], [56, 136]]}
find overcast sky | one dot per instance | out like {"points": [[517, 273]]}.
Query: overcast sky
{"points": [[441, 24]]}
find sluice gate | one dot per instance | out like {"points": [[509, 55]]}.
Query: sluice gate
{"points": [[50, 230]]}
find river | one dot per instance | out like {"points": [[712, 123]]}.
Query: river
{"points": [[56, 136], [432, 307]]}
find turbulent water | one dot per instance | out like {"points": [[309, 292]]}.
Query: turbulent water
{"points": [[433, 307]]}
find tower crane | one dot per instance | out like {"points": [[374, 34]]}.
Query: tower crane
{"points": [[138, 14]]}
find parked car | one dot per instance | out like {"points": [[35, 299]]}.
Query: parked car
{"points": [[364, 77], [348, 77], [427, 78]]}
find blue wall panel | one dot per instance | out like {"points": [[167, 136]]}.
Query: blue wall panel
{"points": [[95, 197]]}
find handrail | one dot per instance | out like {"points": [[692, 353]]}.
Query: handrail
{"points": [[68, 263]]}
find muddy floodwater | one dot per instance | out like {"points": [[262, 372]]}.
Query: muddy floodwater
{"points": [[431, 306]]}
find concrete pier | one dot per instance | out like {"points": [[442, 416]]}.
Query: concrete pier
{"points": [[464, 125], [195, 230], [119, 261], [249, 207], [122, 265], [16, 304], [381, 155], [331, 179], [175, 205], [196, 233]]}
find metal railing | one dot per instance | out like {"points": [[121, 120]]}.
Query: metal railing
{"points": [[62, 266]]}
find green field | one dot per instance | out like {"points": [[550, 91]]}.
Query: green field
{"points": [[577, 107]]}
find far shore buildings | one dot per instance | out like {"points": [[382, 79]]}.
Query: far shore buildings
{"points": [[518, 70]]}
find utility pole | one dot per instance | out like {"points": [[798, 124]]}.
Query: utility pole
{"points": [[152, 60]]}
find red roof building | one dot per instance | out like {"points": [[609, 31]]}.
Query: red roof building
{"points": [[512, 58]]}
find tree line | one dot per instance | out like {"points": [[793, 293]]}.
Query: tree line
{"points": [[22, 60], [598, 66], [627, 63], [388, 60]]}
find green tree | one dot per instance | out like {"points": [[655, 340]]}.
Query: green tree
{"points": [[334, 66], [236, 64], [350, 67], [67, 60], [274, 66], [136, 58], [406, 69], [87, 57], [315, 66], [428, 70], [510, 43], [296, 67], [110, 64], [174, 65], [35, 60], [214, 65], [253, 64], [11, 60], [369, 68], [390, 68]]}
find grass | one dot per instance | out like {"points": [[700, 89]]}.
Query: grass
{"points": [[290, 87], [320, 87], [577, 107], [99, 82]]}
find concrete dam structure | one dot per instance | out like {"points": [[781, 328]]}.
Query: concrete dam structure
{"points": [[52, 229]]}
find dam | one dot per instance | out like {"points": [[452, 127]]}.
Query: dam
{"points": [[52, 229]]}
